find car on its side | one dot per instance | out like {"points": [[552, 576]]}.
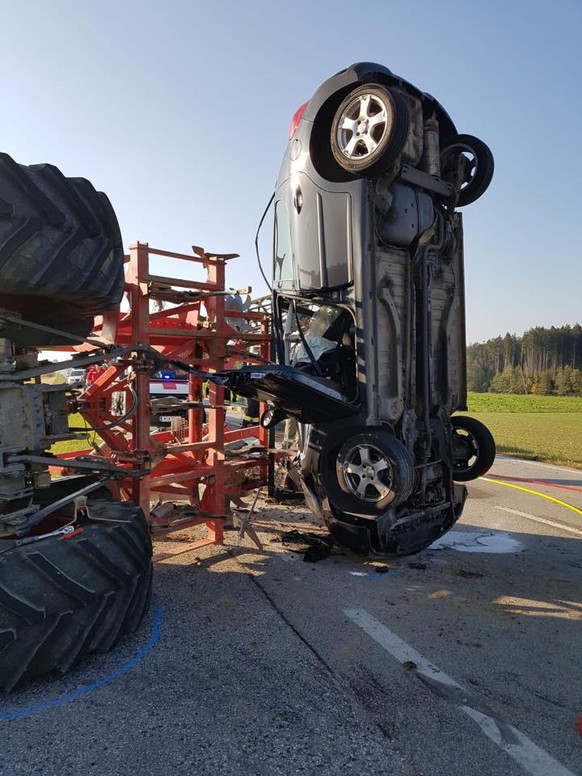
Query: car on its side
{"points": [[369, 309]]}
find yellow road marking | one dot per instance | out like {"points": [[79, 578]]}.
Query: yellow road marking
{"points": [[533, 493]]}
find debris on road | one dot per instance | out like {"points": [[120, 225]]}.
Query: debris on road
{"points": [[243, 522], [466, 574], [315, 547]]}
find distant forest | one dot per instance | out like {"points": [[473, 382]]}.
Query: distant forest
{"points": [[543, 361]]}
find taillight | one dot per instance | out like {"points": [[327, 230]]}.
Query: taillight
{"points": [[296, 119]]}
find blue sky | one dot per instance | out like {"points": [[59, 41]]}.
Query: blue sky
{"points": [[179, 111]]}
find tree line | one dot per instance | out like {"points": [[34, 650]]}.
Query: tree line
{"points": [[542, 361]]}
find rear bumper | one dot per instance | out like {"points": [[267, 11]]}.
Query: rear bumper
{"points": [[404, 535]]}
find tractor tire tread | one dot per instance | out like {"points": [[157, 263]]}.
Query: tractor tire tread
{"points": [[61, 599], [61, 251]]}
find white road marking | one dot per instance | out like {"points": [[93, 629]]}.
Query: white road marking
{"points": [[561, 526], [533, 759]]}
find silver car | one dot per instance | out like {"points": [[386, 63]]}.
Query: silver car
{"points": [[369, 310], [76, 378]]}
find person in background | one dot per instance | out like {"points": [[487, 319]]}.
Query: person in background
{"points": [[251, 416], [92, 374], [291, 435]]}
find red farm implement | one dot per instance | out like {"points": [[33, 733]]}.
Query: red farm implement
{"points": [[192, 469]]}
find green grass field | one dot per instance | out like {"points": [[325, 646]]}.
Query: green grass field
{"points": [[71, 445], [540, 428]]}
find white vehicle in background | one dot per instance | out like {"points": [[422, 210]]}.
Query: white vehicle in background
{"points": [[76, 378], [167, 390]]}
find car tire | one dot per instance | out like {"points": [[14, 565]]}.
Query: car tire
{"points": [[367, 473], [473, 448], [64, 598], [369, 130], [61, 252], [480, 167]]}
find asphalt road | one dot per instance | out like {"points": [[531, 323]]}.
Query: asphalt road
{"points": [[464, 659]]}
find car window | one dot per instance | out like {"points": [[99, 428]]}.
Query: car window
{"points": [[320, 338], [283, 269]]}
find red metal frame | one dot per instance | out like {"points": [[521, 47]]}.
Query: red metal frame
{"points": [[197, 471]]}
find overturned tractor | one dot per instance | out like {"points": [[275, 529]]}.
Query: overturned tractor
{"points": [[75, 546], [75, 563]]}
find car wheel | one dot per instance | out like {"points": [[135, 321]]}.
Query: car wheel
{"points": [[473, 449], [468, 164], [371, 472], [369, 130]]}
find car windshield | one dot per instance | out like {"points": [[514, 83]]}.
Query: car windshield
{"points": [[320, 339]]}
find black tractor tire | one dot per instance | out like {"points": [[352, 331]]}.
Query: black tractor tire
{"points": [[62, 598], [483, 166], [473, 448], [390, 135], [344, 481], [61, 252]]}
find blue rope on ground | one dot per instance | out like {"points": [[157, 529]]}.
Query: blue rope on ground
{"points": [[154, 638]]}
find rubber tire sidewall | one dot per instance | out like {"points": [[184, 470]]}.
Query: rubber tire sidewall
{"points": [[485, 167], [392, 145], [61, 252], [397, 454], [62, 599], [485, 443]]}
